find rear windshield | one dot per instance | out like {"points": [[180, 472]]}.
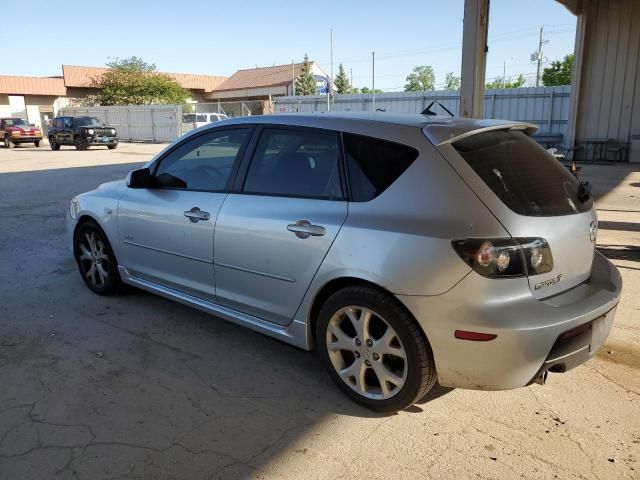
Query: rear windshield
{"points": [[528, 179]]}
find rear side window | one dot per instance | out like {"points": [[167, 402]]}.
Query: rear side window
{"points": [[374, 164], [296, 163], [528, 179]]}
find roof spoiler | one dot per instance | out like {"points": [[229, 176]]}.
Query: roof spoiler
{"points": [[442, 134]]}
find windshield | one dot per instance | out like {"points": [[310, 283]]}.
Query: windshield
{"points": [[522, 174], [88, 122], [16, 122]]}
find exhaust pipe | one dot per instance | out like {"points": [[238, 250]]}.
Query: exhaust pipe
{"points": [[542, 378]]}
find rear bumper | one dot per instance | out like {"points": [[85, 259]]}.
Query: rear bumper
{"points": [[527, 329]]}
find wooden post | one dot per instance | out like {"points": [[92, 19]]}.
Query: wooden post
{"points": [[474, 57]]}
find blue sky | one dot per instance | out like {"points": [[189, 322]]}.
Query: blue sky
{"points": [[218, 38]]}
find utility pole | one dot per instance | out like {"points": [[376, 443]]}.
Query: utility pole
{"points": [[373, 80], [538, 55], [330, 83], [293, 78]]}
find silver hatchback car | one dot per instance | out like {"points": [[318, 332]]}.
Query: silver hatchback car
{"points": [[405, 249]]}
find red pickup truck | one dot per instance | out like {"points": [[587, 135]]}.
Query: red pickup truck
{"points": [[14, 131]]}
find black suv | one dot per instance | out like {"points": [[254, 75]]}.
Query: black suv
{"points": [[82, 132]]}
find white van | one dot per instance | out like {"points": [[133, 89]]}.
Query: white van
{"points": [[196, 120]]}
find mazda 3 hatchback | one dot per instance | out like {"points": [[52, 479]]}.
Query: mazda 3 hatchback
{"points": [[405, 249]]}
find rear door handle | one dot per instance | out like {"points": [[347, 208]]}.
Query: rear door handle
{"points": [[195, 215], [304, 229]]}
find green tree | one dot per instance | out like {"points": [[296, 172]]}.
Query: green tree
{"points": [[132, 81], [342, 82], [451, 81], [368, 90], [420, 79], [500, 82], [559, 73], [306, 82]]}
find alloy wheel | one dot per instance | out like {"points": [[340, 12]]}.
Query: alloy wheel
{"points": [[366, 352], [93, 259]]}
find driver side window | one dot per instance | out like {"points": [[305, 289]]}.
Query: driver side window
{"points": [[203, 163]]}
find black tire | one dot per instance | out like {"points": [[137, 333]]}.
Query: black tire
{"points": [[36, 143], [8, 143], [112, 147], [53, 144], [106, 284], [421, 372], [80, 143]]}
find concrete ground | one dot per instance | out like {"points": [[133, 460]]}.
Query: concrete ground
{"points": [[136, 386]]}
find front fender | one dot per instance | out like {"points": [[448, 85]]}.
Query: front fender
{"points": [[101, 206]]}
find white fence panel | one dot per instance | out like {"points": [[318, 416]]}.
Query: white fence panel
{"points": [[546, 107], [136, 123]]}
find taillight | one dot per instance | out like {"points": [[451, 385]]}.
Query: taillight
{"points": [[506, 257]]}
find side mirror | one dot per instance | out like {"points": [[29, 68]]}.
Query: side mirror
{"points": [[140, 178]]}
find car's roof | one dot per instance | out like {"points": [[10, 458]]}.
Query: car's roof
{"points": [[438, 128]]}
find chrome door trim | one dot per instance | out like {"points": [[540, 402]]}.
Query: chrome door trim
{"points": [[175, 254], [295, 333], [255, 272]]}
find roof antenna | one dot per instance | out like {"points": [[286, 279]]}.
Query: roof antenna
{"points": [[428, 111]]}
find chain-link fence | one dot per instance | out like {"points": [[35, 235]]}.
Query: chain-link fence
{"points": [[205, 113]]}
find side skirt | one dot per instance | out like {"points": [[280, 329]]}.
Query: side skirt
{"points": [[295, 333]]}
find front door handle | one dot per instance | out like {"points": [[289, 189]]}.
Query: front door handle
{"points": [[195, 215], [304, 229]]}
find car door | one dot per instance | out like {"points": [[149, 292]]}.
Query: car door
{"points": [[56, 130], [165, 232], [275, 229], [65, 134]]}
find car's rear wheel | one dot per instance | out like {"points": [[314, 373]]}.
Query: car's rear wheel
{"points": [[96, 262], [79, 143], [53, 144], [374, 349], [8, 143]]}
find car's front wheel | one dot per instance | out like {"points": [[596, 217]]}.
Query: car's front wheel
{"points": [[7, 142], [374, 349], [112, 147], [96, 261], [36, 143], [80, 143]]}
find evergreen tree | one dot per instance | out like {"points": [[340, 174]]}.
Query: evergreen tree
{"points": [[306, 82], [341, 81]]}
